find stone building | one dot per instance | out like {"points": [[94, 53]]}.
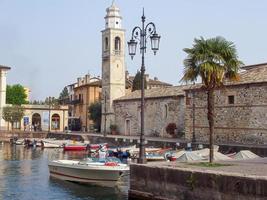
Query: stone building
{"points": [[44, 118], [41, 118], [86, 91], [162, 106], [116, 81], [240, 109], [151, 83]]}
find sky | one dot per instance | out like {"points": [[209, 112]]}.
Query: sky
{"points": [[49, 43]]}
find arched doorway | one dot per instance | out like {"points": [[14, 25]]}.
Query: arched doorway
{"points": [[36, 122], [55, 124]]}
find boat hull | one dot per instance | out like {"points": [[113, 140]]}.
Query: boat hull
{"points": [[86, 174], [51, 145], [74, 148]]}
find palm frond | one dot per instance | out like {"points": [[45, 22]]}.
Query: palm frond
{"points": [[213, 60]]}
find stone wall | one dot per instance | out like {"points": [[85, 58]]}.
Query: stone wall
{"points": [[158, 114], [244, 122], [158, 183]]}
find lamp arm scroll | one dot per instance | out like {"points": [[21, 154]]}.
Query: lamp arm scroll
{"points": [[150, 29], [136, 33]]}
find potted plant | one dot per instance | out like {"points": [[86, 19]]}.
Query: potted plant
{"points": [[113, 129], [170, 129]]}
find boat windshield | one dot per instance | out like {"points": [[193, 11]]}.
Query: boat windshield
{"points": [[108, 159]]}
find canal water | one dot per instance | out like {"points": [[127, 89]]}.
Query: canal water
{"points": [[24, 175]]}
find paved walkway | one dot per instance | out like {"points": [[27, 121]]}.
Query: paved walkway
{"points": [[166, 139], [245, 168], [157, 139]]}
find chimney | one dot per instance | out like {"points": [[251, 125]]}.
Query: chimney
{"points": [[79, 80], [87, 78]]}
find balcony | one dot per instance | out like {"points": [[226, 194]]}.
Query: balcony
{"points": [[77, 101]]}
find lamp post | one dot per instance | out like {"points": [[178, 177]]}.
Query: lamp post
{"points": [[141, 34]]}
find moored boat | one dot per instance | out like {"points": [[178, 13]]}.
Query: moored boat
{"points": [[75, 147], [95, 147], [91, 171], [48, 144], [19, 141]]}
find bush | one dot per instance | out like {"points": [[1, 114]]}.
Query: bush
{"points": [[170, 129]]}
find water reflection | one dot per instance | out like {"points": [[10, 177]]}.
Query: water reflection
{"points": [[24, 175]]}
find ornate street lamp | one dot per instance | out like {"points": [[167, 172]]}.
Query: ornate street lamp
{"points": [[141, 34], [155, 38], [132, 48]]}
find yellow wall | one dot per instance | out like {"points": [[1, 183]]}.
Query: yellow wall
{"points": [[90, 94]]}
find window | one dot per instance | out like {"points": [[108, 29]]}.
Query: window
{"points": [[166, 111], [106, 43], [231, 99], [117, 44]]}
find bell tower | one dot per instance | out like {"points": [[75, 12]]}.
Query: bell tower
{"points": [[113, 65]]}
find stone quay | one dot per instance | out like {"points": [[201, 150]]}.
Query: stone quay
{"points": [[182, 181]]}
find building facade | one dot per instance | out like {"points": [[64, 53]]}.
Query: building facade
{"points": [[162, 107], [86, 91], [240, 109], [41, 118]]}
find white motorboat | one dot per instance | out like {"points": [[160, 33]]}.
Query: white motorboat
{"points": [[52, 143], [19, 142], [48, 144], [106, 173]]}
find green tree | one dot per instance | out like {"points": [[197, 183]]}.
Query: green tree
{"points": [[52, 101], [37, 102], [16, 95], [13, 114], [64, 96], [214, 60], [137, 82], [95, 114]]}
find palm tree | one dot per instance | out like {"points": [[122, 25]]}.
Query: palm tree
{"points": [[214, 60]]}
